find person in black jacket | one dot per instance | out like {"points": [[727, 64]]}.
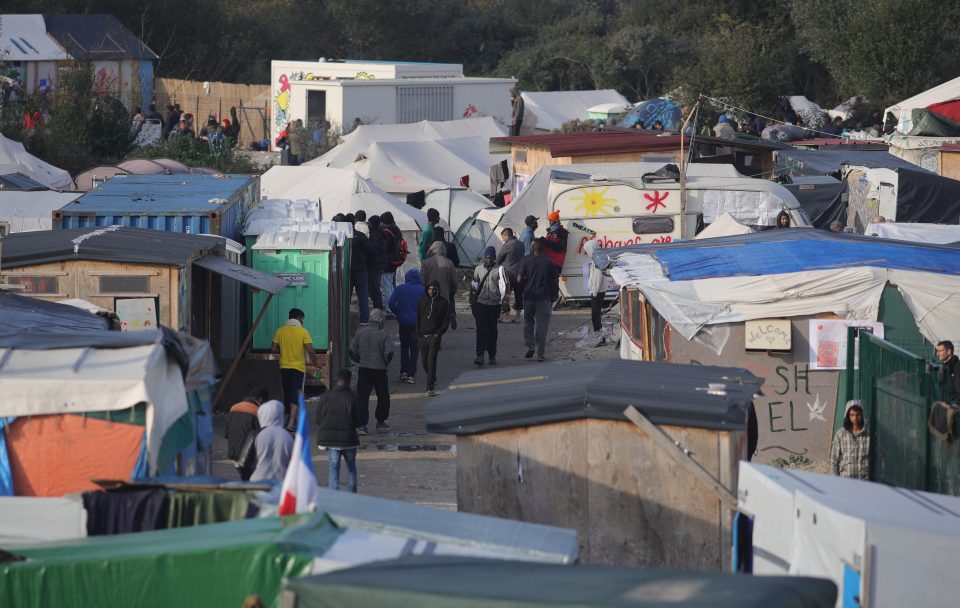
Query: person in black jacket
{"points": [[440, 235], [433, 318], [949, 373], [376, 260], [359, 280], [338, 416]]}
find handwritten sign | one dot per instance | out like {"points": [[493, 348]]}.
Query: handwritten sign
{"points": [[137, 314], [828, 341], [294, 279], [768, 334]]}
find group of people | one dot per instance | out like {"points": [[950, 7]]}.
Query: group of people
{"points": [[180, 124]]}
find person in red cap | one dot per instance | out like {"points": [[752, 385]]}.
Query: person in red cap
{"points": [[555, 244]]}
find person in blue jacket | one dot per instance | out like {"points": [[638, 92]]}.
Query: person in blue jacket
{"points": [[403, 303]]}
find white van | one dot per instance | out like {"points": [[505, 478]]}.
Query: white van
{"points": [[628, 211]]}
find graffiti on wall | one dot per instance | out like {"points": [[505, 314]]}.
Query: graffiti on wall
{"points": [[793, 407], [281, 101]]}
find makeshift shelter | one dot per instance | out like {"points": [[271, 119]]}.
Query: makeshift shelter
{"points": [[553, 108], [15, 159], [652, 110], [943, 99], [902, 195], [880, 545], [23, 314], [26, 44], [26, 211], [356, 144], [554, 446], [463, 582], [799, 163], [822, 197], [778, 302]]}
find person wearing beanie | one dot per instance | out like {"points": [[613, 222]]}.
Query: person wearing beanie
{"points": [[488, 293], [555, 244], [426, 237], [372, 350]]}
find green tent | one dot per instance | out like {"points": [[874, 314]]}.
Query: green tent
{"points": [[451, 582], [211, 565], [931, 124]]}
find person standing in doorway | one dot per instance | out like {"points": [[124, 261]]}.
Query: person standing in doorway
{"points": [[489, 292], [540, 279], [372, 351], [338, 417], [530, 226], [509, 259], [850, 455], [516, 115], [426, 237], [295, 345], [949, 372], [403, 303], [433, 318]]}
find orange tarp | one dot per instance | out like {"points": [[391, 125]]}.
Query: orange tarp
{"points": [[60, 454]]}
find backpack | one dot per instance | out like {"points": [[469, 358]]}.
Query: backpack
{"points": [[398, 253]]}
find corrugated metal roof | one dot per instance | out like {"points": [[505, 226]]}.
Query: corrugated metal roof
{"points": [[295, 239], [527, 395], [160, 193]]}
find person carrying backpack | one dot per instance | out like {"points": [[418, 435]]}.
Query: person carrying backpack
{"points": [[396, 248]]}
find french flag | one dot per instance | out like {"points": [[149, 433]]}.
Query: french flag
{"points": [[299, 491]]}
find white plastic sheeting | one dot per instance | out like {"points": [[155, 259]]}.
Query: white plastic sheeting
{"points": [[14, 158], [31, 210], [553, 108], [77, 380], [28, 520], [934, 300], [939, 234], [758, 208], [725, 225]]}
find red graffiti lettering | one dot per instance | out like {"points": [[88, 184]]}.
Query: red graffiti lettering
{"points": [[284, 83], [656, 201], [470, 111]]}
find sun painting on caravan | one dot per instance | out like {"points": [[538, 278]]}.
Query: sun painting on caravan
{"points": [[593, 202]]}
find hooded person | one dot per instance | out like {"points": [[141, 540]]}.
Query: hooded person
{"points": [[274, 444], [783, 219], [850, 453], [403, 303], [436, 268], [488, 292], [433, 318], [724, 130], [372, 350]]}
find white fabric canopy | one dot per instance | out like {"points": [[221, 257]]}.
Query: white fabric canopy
{"points": [[939, 234], [358, 142], [28, 520], [725, 225], [29, 210], [76, 380], [948, 91], [15, 159], [457, 205], [553, 108], [934, 300]]}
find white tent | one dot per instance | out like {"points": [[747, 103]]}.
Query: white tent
{"points": [[357, 143], [339, 191], [938, 234], [29, 210], [402, 167], [947, 91], [15, 159], [885, 545], [553, 108], [458, 207], [725, 225], [78, 380]]}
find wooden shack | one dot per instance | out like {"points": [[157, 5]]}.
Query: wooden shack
{"points": [[551, 444]]}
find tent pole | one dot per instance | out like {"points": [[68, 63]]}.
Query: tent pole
{"points": [[243, 349]]}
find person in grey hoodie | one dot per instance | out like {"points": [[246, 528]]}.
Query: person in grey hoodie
{"points": [[490, 286], [436, 268], [274, 444], [372, 350]]}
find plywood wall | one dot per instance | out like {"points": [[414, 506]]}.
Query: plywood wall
{"points": [[194, 98]]}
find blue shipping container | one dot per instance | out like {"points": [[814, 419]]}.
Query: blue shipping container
{"points": [[188, 203]]}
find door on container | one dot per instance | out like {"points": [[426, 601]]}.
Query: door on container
{"points": [[316, 110]]}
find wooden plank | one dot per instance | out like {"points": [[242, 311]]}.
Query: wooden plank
{"points": [[681, 457]]}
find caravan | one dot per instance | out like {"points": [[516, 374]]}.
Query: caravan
{"points": [[625, 211]]}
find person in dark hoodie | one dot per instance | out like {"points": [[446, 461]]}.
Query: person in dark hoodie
{"points": [[436, 268], [403, 303], [433, 318], [338, 416], [392, 238], [376, 260], [359, 280]]}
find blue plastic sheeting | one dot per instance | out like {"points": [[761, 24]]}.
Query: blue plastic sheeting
{"points": [[682, 263], [6, 475]]}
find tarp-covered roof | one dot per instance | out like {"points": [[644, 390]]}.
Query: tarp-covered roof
{"points": [[446, 582], [22, 314], [827, 162], [32, 210], [553, 108], [111, 244], [511, 397], [14, 158], [821, 196], [97, 38]]}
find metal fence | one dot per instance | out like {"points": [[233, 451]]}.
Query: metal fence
{"points": [[898, 388]]}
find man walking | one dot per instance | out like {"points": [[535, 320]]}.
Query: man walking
{"points": [[403, 303], [372, 351], [436, 268], [426, 237], [555, 245], [490, 286], [433, 318], [509, 259], [949, 372], [376, 260], [338, 417], [294, 344], [396, 254], [359, 281], [540, 279], [526, 235]]}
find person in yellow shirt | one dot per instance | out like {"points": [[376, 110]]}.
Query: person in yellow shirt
{"points": [[294, 344]]}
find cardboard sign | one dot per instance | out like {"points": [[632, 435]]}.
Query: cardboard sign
{"points": [[137, 314], [768, 334], [828, 341], [295, 279]]}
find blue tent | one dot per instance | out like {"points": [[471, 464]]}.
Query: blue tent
{"points": [[652, 110]]}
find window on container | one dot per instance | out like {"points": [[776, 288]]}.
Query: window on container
{"points": [[124, 284], [652, 225], [424, 102], [34, 285]]}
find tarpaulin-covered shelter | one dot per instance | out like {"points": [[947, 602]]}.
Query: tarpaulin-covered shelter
{"points": [[22, 314], [552, 445], [822, 197], [15, 159], [944, 99], [652, 110], [798, 163], [778, 303], [880, 545], [464, 582], [551, 109], [902, 195], [29, 210]]}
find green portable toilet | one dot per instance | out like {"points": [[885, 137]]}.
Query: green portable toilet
{"points": [[312, 263]]}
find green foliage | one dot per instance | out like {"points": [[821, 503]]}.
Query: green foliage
{"points": [[194, 153]]}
